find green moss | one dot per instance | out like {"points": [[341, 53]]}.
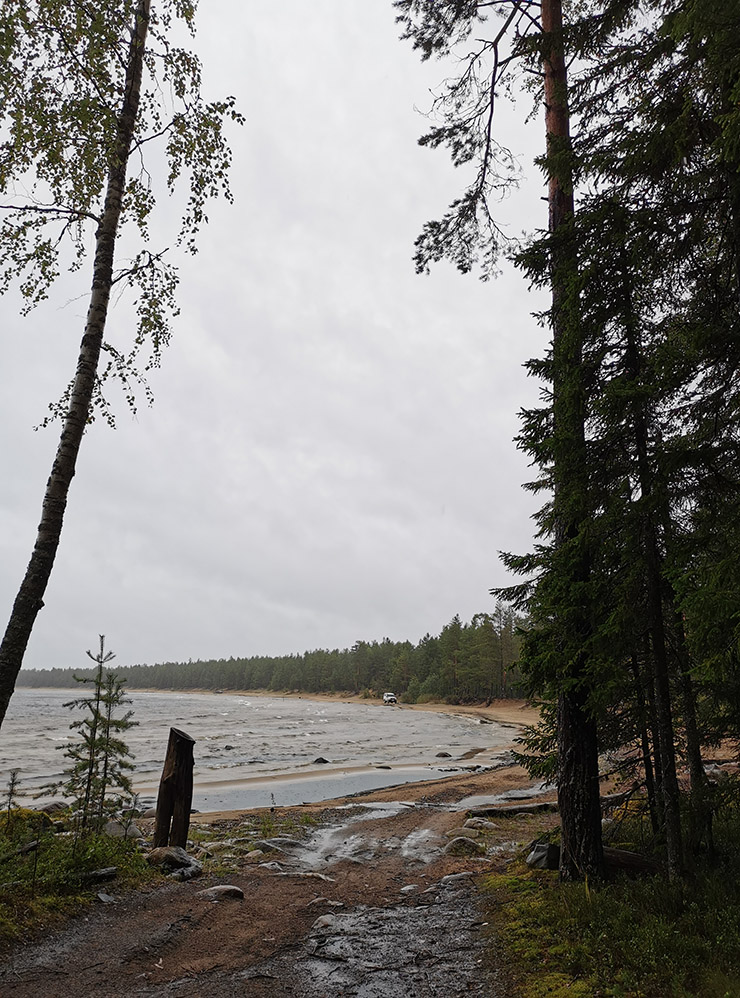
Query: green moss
{"points": [[628, 939]]}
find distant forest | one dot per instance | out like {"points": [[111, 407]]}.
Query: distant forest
{"points": [[466, 663]]}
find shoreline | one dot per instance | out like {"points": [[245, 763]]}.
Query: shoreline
{"points": [[517, 713], [492, 781], [397, 778]]}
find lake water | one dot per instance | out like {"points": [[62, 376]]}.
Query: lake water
{"points": [[253, 751]]}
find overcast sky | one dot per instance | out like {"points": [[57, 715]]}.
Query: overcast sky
{"points": [[329, 456]]}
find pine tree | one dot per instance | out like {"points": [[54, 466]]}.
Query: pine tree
{"points": [[97, 780]]}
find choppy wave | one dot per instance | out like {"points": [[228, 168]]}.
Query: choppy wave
{"points": [[240, 736]]}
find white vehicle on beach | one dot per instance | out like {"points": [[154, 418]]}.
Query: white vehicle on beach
{"points": [[389, 698]]}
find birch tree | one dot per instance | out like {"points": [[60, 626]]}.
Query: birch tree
{"points": [[84, 90]]}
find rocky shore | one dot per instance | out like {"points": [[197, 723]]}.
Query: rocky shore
{"points": [[374, 895]]}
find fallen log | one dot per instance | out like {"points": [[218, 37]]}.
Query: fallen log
{"points": [[624, 861], [498, 811]]}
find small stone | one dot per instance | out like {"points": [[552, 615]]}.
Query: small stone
{"points": [[480, 823], [469, 833], [266, 846], [53, 807], [443, 755], [463, 846], [409, 888], [324, 923], [218, 847], [169, 858], [220, 892], [254, 856], [455, 878], [118, 830], [320, 761], [187, 872]]}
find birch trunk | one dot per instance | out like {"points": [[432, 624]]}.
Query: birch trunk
{"points": [[30, 598]]}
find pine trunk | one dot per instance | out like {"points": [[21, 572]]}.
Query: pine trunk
{"points": [[578, 778], [30, 598], [647, 761]]}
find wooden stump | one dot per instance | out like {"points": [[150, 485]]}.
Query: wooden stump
{"points": [[175, 792]]}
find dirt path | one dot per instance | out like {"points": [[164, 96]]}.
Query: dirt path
{"points": [[365, 902]]}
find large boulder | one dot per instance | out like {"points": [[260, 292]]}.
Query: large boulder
{"points": [[544, 856]]}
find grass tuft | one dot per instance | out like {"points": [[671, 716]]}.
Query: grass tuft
{"points": [[39, 883]]}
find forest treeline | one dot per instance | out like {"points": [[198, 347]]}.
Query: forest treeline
{"points": [[465, 663]]}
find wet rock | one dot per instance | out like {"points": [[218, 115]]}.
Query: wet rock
{"points": [[456, 878], [320, 761], [443, 755], [481, 823], [228, 748], [175, 862], [544, 856], [324, 923], [465, 833], [187, 872], [168, 857], [267, 846], [118, 830], [221, 892], [463, 846], [53, 807]]}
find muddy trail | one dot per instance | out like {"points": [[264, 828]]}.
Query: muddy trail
{"points": [[363, 901]]}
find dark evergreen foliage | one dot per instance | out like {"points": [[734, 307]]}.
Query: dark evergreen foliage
{"points": [[466, 663]]}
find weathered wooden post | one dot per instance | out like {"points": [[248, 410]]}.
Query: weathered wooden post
{"points": [[175, 792]]}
